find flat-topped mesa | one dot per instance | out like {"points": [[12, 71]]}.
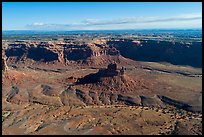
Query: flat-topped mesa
{"points": [[4, 64]]}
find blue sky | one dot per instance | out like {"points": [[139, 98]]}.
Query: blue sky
{"points": [[100, 15]]}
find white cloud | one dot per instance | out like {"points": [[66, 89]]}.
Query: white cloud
{"points": [[130, 21], [191, 15], [38, 24]]}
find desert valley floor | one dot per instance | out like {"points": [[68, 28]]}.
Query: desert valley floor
{"points": [[146, 99]]}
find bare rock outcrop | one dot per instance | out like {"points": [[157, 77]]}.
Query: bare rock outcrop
{"points": [[4, 64], [109, 72], [111, 79]]}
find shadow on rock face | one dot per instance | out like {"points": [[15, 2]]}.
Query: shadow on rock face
{"points": [[42, 54]]}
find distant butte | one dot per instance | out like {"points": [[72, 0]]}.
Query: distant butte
{"points": [[110, 71], [111, 79]]}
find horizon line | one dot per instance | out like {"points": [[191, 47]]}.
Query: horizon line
{"points": [[114, 29]]}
